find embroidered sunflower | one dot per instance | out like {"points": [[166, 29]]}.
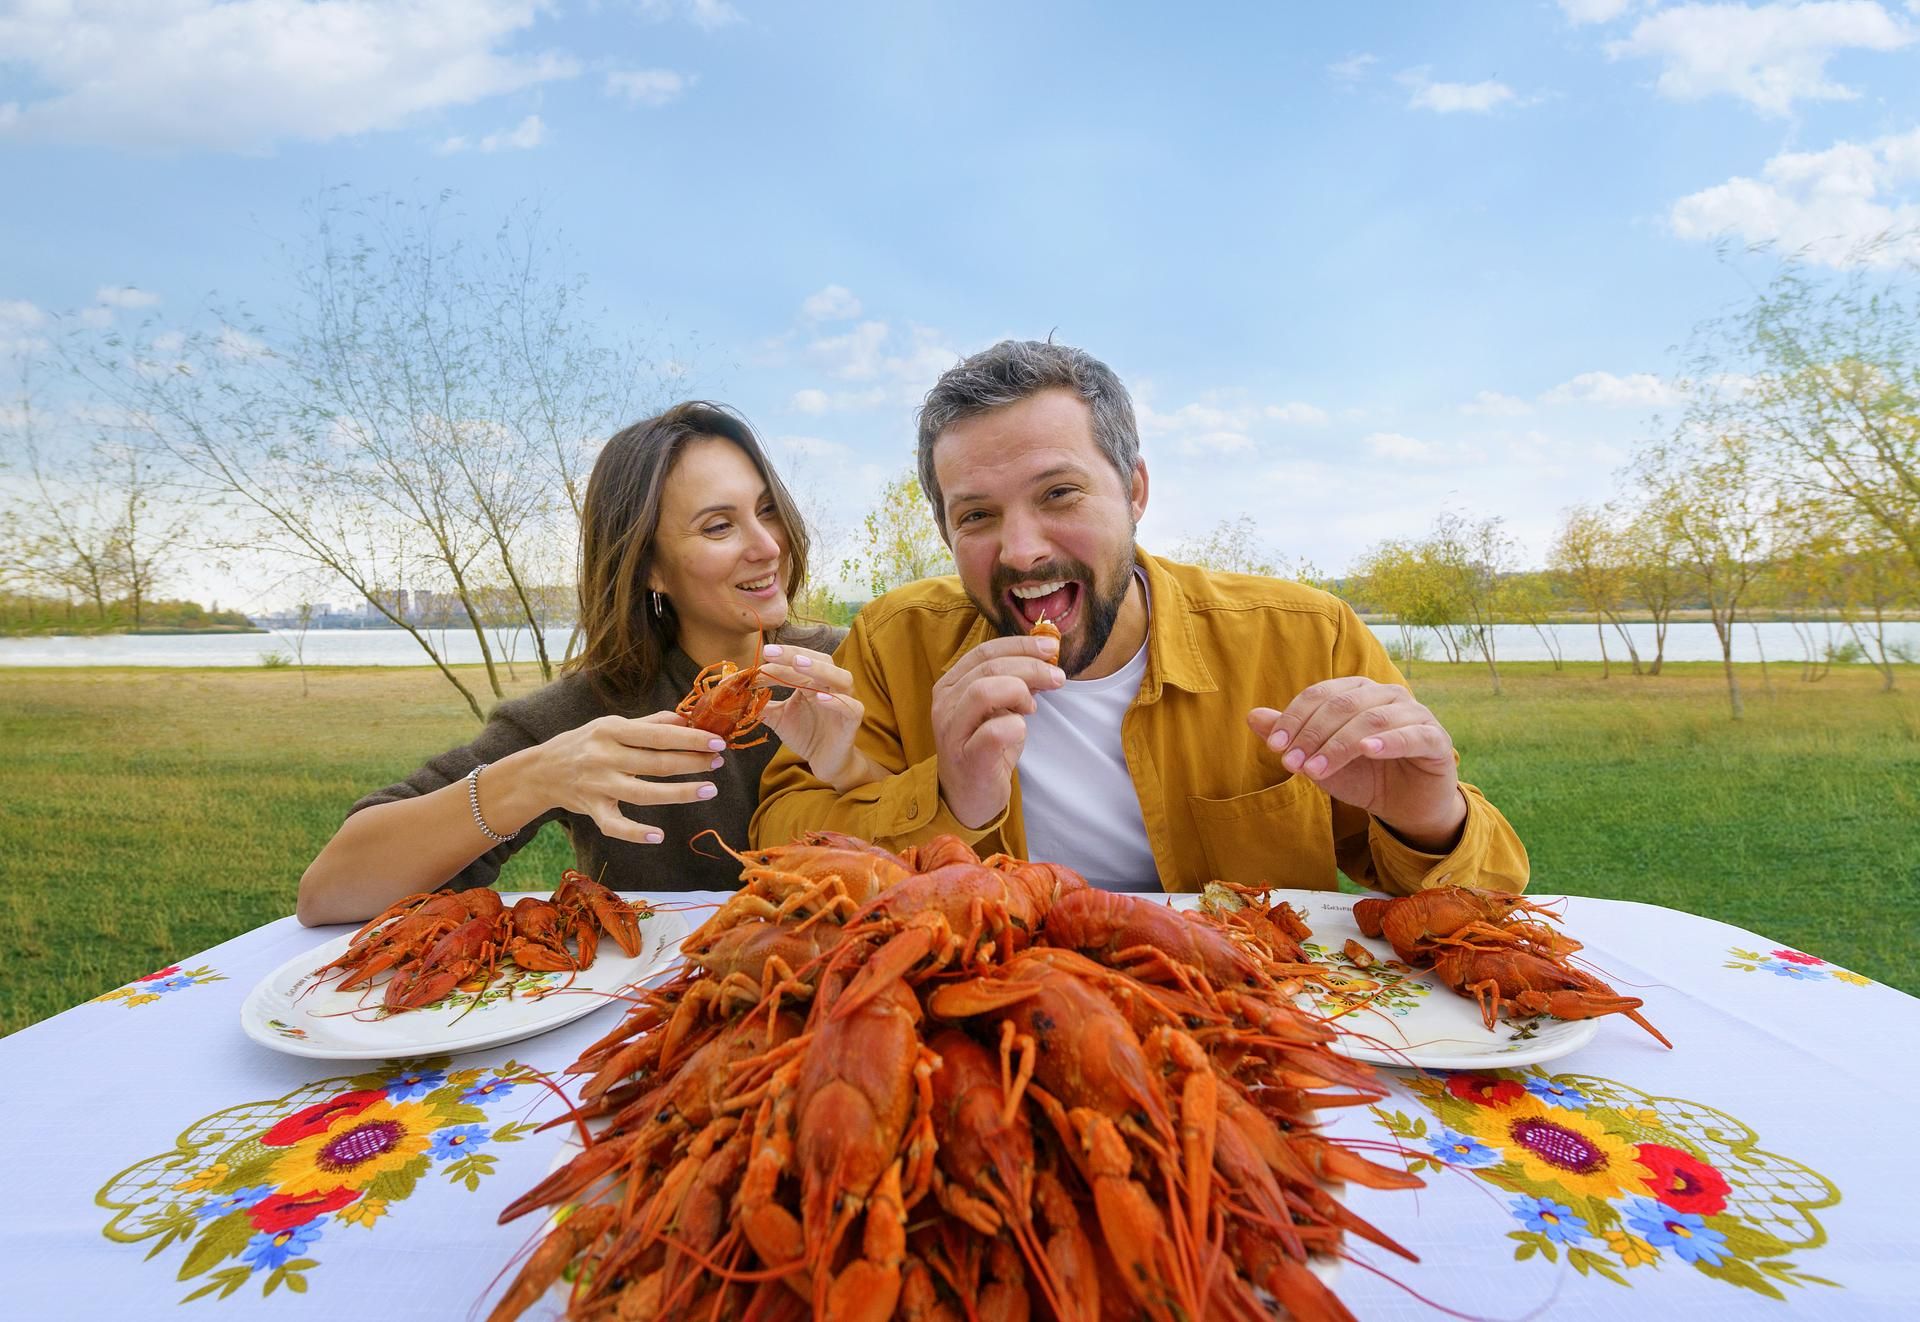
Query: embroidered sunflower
{"points": [[357, 1149], [1568, 1149]]}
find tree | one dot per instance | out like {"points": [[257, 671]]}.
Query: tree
{"points": [[1231, 546], [900, 541], [1824, 378], [1723, 511], [1472, 557], [1403, 581], [1531, 599], [419, 413], [1650, 562], [1588, 556]]}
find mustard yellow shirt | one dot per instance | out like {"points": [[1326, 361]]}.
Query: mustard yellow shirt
{"points": [[1216, 801]]}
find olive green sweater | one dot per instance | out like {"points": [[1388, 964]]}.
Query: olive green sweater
{"points": [[569, 702]]}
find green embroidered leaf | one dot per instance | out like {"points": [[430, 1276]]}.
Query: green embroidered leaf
{"points": [[297, 1284], [513, 1131], [1747, 1240], [223, 1238], [226, 1281], [273, 1281], [175, 1223], [1735, 1271], [392, 1186]]}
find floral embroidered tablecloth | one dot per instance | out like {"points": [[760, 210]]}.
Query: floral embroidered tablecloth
{"points": [[162, 1164]]}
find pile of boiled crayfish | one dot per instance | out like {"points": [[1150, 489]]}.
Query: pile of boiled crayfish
{"points": [[933, 1086], [432, 943], [1488, 945]]}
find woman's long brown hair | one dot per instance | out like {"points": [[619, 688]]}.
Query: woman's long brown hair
{"points": [[623, 639]]}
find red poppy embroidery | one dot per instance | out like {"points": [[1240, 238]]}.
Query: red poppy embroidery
{"points": [[320, 1117], [1682, 1181], [1485, 1089], [284, 1212]]}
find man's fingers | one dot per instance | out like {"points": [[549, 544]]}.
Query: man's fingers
{"points": [[1003, 732], [1334, 710], [1285, 727], [992, 696], [1041, 649], [1425, 740], [1350, 740]]}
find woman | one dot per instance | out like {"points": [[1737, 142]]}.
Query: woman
{"points": [[690, 547]]}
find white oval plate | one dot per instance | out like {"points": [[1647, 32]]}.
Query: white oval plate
{"points": [[1397, 1015], [287, 1012]]}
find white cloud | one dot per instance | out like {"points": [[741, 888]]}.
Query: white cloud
{"points": [[814, 447], [526, 135], [1353, 68], [1638, 390], [243, 75], [19, 320], [650, 87], [1581, 12], [1833, 205], [1297, 414], [235, 343], [125, 296], [1392, 445], [1450, 98], [810, 401], [834, 303], [1493, 404], [1768, 56], [704, 14]]}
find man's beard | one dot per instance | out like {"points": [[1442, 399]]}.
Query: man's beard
{"points": [[1099, 610]]}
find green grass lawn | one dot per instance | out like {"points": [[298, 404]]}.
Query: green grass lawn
{"points": [[148, 814]]}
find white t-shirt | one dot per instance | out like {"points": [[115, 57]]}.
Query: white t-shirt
{"points": [[1076, 794]]}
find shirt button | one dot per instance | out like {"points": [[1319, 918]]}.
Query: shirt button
{"points": [[913, 811]]}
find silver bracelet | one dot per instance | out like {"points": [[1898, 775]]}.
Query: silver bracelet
{"points": [[473, 802]]}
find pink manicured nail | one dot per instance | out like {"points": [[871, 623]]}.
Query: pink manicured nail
{"points": [[717, 745], [804, 662], [774, 649], [654, 837], [706, 791], [823, 697], [717, 763]]}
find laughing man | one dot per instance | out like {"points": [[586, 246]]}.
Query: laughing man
{"points": [[1188, 725]]}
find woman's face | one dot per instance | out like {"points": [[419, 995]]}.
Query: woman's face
{"points": [[721, 551]]}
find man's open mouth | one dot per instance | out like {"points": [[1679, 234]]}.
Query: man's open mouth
{"points": [[1055, 599]]}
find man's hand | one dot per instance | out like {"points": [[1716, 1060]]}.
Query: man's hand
{"points": [[980, 708], [1373, 746]]}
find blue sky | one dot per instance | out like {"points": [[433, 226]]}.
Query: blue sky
{"points": [[1358, 263]]}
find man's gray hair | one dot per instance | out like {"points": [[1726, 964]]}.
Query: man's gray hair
{"points": [[1013, 370]]}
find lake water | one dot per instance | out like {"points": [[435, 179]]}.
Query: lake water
{"points": [[1690, 641]]}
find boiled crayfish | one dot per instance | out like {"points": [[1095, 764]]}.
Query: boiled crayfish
{"points": [[1010, 1097], [434, 942], [1480, 945], [728, 701]]}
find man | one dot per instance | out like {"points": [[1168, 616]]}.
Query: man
{"points": [[1143, 749]]}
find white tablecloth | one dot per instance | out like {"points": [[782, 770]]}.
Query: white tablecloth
{"points": [[1779, 1119]]}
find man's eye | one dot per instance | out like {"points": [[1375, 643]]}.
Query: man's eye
{"points": [[1059, 491]]}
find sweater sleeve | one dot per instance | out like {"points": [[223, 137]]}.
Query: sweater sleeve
{"points": [[512, 727]]}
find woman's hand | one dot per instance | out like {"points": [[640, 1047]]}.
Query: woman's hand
{"points": [[595, 768], [821, 717]]}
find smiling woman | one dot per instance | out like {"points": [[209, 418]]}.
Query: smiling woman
{"points": [[690, 550]]}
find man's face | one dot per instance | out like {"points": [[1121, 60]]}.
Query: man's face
{"points": [[1040, 524]]}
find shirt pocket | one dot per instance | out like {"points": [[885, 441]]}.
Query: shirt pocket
{"points": [[1279, 836]]}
